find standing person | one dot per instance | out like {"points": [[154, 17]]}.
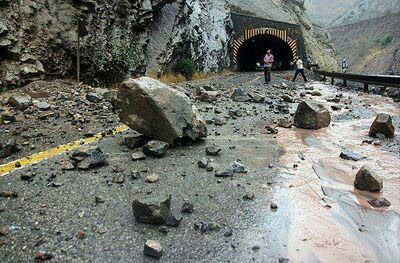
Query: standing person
{"points": [[300, 69], [268, 63]]}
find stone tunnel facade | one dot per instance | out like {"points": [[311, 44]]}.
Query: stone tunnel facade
{"points": [[287, 38]]}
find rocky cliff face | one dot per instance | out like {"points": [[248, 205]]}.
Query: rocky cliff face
{"points": [[39, 38]]}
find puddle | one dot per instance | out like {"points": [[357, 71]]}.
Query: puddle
{"points": [[332, 221]]}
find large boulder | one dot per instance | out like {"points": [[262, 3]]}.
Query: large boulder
{"points": [[156, 110], [382, 125], [153, 210], [310, 115], [368, 180]]}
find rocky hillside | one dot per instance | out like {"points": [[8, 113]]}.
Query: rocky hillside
{"points": [[341, 12], [370, 46], [39, 38]]}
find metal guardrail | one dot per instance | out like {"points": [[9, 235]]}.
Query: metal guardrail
{"points": [[381, 80]]}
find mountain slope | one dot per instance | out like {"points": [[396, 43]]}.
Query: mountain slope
{"points": [[370, 46]]}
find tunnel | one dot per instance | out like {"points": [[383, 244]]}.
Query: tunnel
{"points": [[254, 50]]}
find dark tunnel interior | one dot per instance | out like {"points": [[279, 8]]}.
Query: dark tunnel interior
{"points": [[254, 50]]}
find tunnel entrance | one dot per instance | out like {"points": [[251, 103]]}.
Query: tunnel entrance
{"points": [[253, 51]]}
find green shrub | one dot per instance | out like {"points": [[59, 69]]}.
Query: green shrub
{"points": [[386, 41], [186, 67]]}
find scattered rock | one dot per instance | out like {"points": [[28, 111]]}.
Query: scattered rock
{"points": [[88, 157], [249, 196], [379, 202], [187, 208], [21, 102], [94, 97], [285, 123], [213, 150], [158, 111], [368, 180], [203, 163], [287, 98], [156, 148], [316, 93], [43, 105], [137, 156], [9, 194], [41, 256], [135, 175], [9, 148], [255, 97], [134, 140], [153, 178], [173, 221], [310, 115], [349, 155], [118, 179], [238, 167], [336, 108], [274, 207], [382, 125], [239, 95], [206, 96], [153, 210], [228, 172], [153, 249]]}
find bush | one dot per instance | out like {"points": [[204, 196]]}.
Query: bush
{"points": [[186, 67], [386, 41]]}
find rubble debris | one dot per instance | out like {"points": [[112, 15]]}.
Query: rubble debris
{"points": [[156, 110], [310, 115], [152, 210], [88, 157], [382, 125], [367, 180], [349, 155], [156, 148]]}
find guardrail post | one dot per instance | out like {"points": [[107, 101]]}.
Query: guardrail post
{"points": [[332, 81], [365, 87]]}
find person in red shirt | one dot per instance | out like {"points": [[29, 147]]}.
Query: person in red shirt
{"points": [[268, 63]]}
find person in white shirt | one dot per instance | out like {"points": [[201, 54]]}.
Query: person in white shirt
{"points": [[299, 70]]}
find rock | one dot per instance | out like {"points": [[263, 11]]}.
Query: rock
{"points": [[238, 167], [287, 98], [94, 97], [118, 179], [21, 102], [368, 180], [7, 117], [158, 111], [135, 175], [285, 123], [383, 125], [137, 156], [7, 194], [274, 207], [8, 148], [219, 121], [153, 249], [379, 202], [88, 157], [153, 178], [255, 97], [336, 108], [316, 93], [224, 173], [239, 95], [134, 140], [173, 221], [43, 105], [203, 163], [284, 85], [153, 210], [349, 155], [41, 256], [228, 232], [156, 148], [310, 115], [249, 196], [213, 226], [206, 96], [187, 208], [213, 150]]}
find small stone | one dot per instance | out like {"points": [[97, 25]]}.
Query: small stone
{"points": [[156, 148], [249, 196], [228, 232], [41, 256], [118, 179], [349, 155], [27, 176], [88, 157], [203, 163], [94, 97], [214, 226], [9, 194], [173, 221], [81, 234], [43, 106], [336, 108], [187, 208], [238, 167], [163, 229], [225, 173], [379, 202], [99, 200], [274, 207], [368, 180], [213, 150], [153, 178], [135, 175], [153, 248], [153, 210], [137, 156]]}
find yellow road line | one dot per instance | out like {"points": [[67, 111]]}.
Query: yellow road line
{"points": [[38, 157]]}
